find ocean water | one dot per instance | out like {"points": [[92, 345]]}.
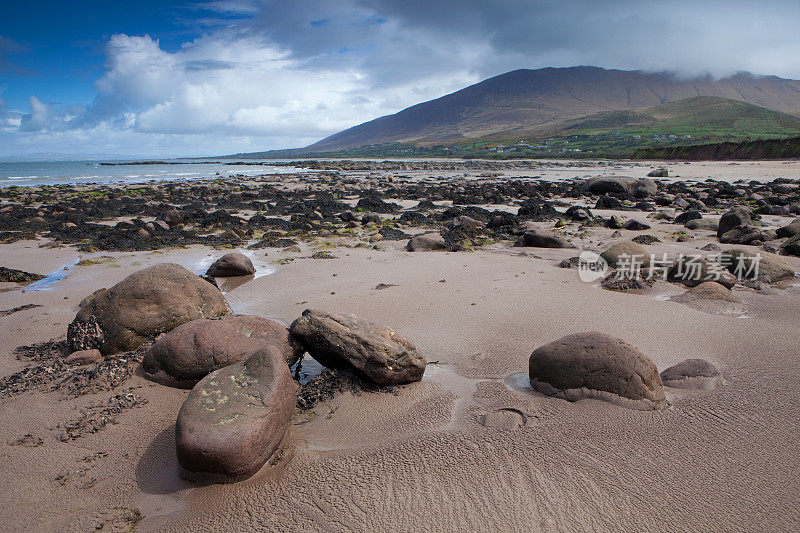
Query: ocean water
{"points": [[56, 172]]}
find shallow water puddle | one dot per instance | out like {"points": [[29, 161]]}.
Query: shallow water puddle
{"points": [[463, 387], [306, 369], [519, 382], [47, 282]]}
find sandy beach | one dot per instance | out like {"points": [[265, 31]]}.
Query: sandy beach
{"points": [[471, 446]]}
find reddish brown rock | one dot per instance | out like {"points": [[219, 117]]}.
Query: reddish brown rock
{"points": [[84, 357], [191, 351], [595, 365], [232, 264], [143, 305], [235, 418], [347, 341]]}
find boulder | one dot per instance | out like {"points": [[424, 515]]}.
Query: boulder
{"points": [[84, 357], [622, 185], [680, 203], [13, 275], [143, 305], [615, 222], [692, 374], [702, 224], [426, 242], [537, 209], [711, 297], [624, 253], [578, 214], [370, 218], [743, 235], [376, 204], [596, 365], [232, 264], [790, 230], [694, 270], [635, 225], [608, 202], [342, 341], [644, 188], [193, 350], [738, 216], [540, 238], [466, 222], [660, 172], [235, 418], [686, 216], [756, 266], [791, 246], [349, 216], [611, 185]]}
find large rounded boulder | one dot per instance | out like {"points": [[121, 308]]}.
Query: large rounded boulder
{"points": [[193, 350], [426, 243], [142, 306], [625, 254], [622, 185], [235, 418], [343, 341], [738, 216], [694, 270], [596, 365], [540, 238], [791, 246], [756, 266], [230, 265]]}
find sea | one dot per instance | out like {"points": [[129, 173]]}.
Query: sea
{"points": [[60, 172]]}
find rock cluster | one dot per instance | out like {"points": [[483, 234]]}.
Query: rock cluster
{"points": [[140, 307]]}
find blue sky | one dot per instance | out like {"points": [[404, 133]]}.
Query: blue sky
{"points": [[156, 78], [58, 49]]}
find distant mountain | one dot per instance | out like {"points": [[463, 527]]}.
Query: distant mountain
{"points": [[529, 102], [699, 115]]}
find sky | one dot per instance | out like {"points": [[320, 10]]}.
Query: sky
{"points": [[172, 79]]}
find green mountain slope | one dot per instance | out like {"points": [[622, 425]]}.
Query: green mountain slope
{"points": [[526, 102], [703, 116]]}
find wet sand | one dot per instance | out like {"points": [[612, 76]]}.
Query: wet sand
{"points": [[471, 447]]}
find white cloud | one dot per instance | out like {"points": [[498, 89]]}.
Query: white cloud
{"points": [[275, 74]]}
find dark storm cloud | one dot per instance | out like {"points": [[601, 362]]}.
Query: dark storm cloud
{"points": [[690, 37]]}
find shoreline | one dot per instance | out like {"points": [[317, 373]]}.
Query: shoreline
{"points": [[433, 454]]}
